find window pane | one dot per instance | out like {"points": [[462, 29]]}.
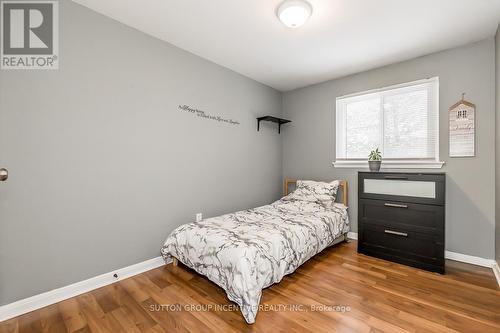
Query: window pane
{"points": [[401, 120], [363, 125], [406, 125]]}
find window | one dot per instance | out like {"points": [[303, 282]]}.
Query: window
{"points": [[462, 114], [402, 121]]}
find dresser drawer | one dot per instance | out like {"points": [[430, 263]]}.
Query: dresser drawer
{"points": [[407, 247], [402, 215], [409, 187]]}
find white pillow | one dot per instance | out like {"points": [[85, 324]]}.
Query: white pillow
{"points": [[312, 191]]}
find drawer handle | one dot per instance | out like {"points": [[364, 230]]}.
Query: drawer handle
{"points": [[396, 177], [395, 205], [404, 234]]}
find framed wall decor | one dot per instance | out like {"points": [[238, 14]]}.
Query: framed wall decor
{"points": [[462, 117]]}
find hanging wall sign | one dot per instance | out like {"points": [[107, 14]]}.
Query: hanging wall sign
{"points": [[462, 129], [207, 116]]}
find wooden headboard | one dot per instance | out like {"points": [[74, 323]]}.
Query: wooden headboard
{"points": [[343, 186]]}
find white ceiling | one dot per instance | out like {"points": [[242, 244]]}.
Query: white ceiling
{"points": [[341, 37]]}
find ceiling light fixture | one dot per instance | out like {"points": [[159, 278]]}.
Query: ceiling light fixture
{"points": [[294, 13]]}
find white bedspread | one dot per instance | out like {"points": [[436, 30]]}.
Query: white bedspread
{"points": [[247, 251]]}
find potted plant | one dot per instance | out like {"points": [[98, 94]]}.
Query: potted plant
{"points": [[374, 160]]}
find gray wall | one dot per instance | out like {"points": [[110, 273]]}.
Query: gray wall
{"points": [[497, 156], [102, 163], [309, 141]]}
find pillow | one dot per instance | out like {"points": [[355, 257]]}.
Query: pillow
{"points": [[308, 190]]}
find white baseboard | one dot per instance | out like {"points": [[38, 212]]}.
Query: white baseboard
{"points": [[454, 256], [469, 259], [50, 297], [352, 235], [496, 271]]}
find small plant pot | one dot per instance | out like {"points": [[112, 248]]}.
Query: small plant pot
{"points": [[374, 165]]}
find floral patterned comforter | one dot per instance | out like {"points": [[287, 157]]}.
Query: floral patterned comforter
{"points": [[247, 251]]}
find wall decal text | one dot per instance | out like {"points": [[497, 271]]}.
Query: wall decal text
{"points": [[205, 115]]}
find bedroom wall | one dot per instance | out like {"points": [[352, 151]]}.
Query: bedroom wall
{"points": [[102, 163], [497, 156], [309, 141]]}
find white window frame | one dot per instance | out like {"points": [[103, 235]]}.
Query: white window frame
{"points": [[392, 163]]}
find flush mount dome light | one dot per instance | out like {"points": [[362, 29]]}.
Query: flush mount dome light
{"points": [[294, 13]]}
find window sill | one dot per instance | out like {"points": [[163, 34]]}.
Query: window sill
{"points": [[390, 164]]}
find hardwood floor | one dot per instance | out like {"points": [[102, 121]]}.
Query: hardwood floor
{"points": [[380, 296]]}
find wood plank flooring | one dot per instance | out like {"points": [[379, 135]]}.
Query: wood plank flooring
{"points": [[377, 295]]}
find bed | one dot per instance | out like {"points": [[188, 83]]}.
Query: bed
{"points": [[247, 251]]}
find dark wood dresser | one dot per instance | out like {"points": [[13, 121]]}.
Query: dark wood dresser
{"points": [[401, 218]]}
